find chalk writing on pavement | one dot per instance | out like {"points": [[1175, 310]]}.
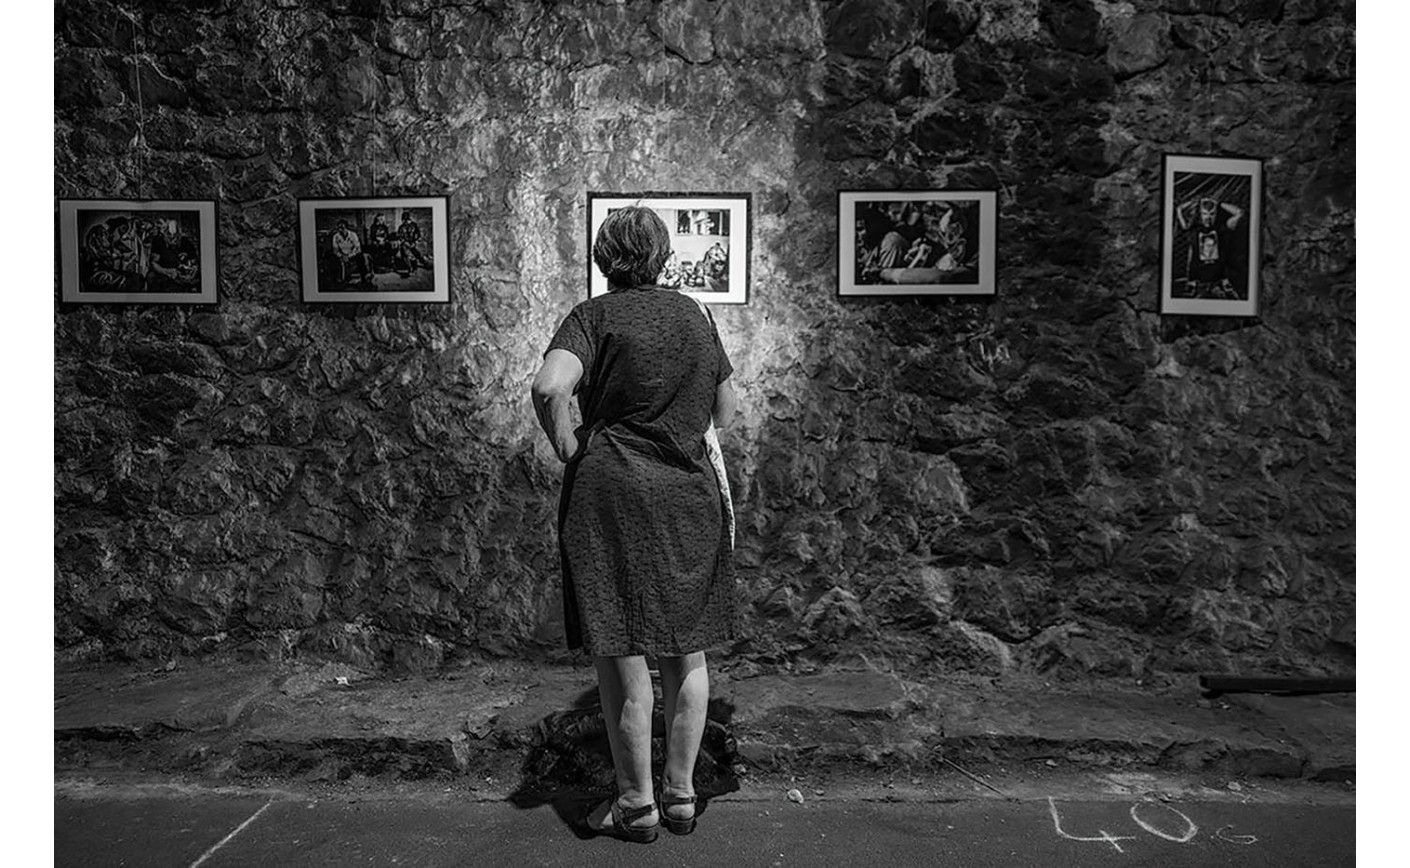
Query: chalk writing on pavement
{"points": [[1156, 818]]}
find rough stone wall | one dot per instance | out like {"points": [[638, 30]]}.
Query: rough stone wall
{"points": [[1058, 480]]}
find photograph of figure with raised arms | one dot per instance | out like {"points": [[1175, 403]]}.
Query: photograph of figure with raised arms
{"points": [[1211, 216]]}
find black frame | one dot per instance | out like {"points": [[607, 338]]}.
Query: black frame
{"points": [[716, 210], [1195, 274], [386, 274], [961, 257], [82, 282]]}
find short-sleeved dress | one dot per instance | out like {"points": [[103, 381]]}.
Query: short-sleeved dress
{"points": [[644, 545]]}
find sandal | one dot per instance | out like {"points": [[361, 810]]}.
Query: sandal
{"points": [[679, 826], [620, 828]]}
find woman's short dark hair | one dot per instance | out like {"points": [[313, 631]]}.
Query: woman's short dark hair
{"points": [[632, 247]]}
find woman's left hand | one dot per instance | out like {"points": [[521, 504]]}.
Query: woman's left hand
{"points": [[568, 449]]}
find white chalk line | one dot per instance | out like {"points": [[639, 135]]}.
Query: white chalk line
{"points": [[1106, 837], [226, 840], [1234, 839], [1190, 828]]}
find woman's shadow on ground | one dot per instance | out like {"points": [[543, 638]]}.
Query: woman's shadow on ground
{"points": [[569, 765]]}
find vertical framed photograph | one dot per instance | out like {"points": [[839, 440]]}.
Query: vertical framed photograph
{"points": [[710, 241], [129, 251], [385, 249], [917, 242], [1212, 212]]}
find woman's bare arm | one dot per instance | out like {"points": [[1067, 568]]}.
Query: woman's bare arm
{"points": [[553, 396], [726, 402]]}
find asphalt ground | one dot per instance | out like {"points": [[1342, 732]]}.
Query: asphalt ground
{"points": [[1087, 819]]}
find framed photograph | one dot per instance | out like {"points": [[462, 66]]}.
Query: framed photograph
{"points": [[129, 251], [917, 242], [710, 241], [375, 250], [1211, 214]]}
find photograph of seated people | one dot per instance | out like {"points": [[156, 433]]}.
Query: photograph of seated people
{"points": [[363, 251], [139, 253], [700, 244], [351, 262], [917, 242]]}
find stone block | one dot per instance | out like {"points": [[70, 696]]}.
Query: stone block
{"points": [[748, 30], [1139, 43], [864, 131], [912, 598], [1075, 26], [982, 77], [948, 23], [1010, 603], [685, 27], [82, 84], [837, 616], [958, 135], [878, 29]]}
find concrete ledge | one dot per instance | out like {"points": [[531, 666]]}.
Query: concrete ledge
{"points": [[1323, 727], [541, 724], [1116, 728]]}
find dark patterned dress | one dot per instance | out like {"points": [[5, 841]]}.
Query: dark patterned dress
{"points": [[641, 530]]}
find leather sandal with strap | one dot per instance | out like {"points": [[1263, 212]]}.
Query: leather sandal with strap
{"points": [[621, 828], [678, 826]]}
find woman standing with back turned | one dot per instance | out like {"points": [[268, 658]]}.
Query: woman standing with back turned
{"points": [[642, 533]]}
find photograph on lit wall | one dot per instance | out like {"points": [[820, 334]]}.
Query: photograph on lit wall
{"points": [[710, 241], [146, 252], [916, 242], [1212, 209], [386, 249]]}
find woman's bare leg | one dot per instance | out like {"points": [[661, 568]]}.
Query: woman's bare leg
{"points": [[624, 685], [685, 697]]}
